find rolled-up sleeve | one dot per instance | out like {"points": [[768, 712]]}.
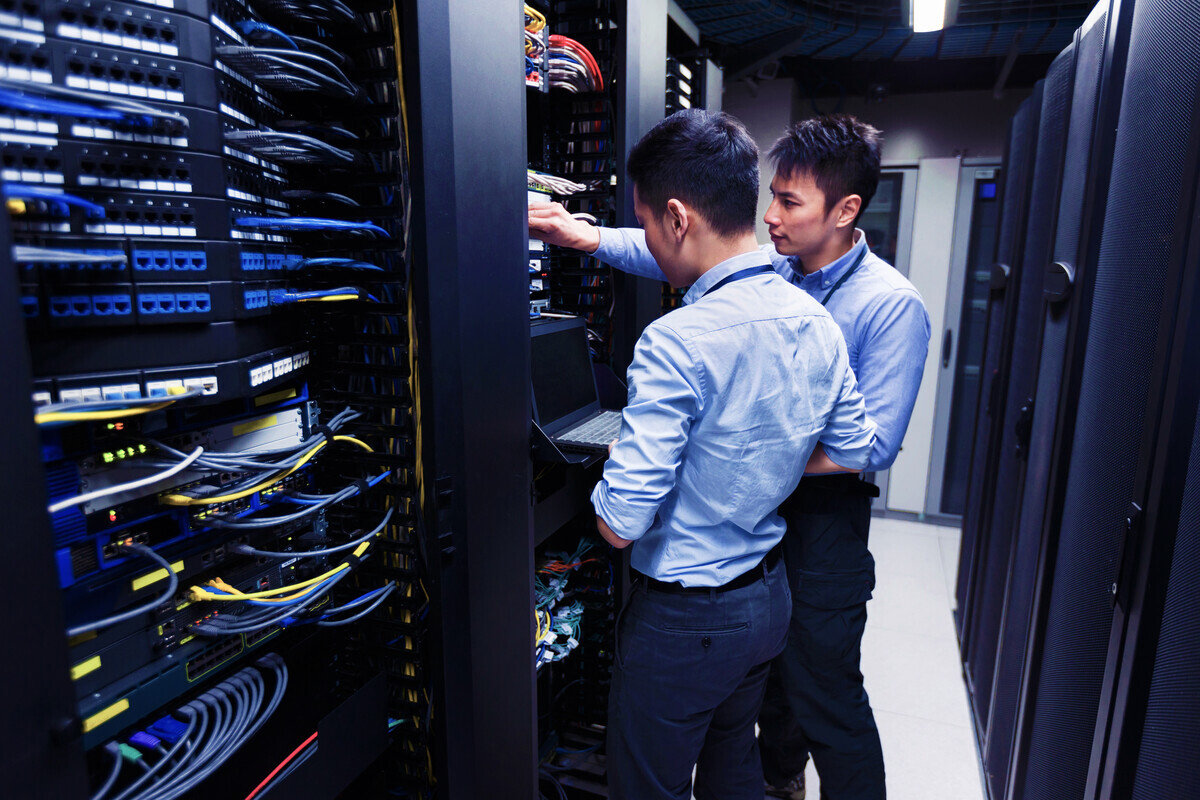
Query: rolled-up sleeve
{"points": [[665, 395], [849, 435], [891, 361], [625, 249]]}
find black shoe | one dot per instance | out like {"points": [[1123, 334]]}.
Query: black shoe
{"points": [[792, 790]]}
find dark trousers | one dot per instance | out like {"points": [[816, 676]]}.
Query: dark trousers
{"points": [[687, 686], [815, 700]]}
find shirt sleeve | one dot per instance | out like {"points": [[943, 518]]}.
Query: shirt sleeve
{"points": [[625, 249], [848, 434], [891, 361], [665, 396]]}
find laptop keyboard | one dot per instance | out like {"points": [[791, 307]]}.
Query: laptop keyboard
{"points": [[600, 430]]}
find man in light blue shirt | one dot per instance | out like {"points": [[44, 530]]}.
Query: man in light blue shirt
{"points": [[827, 170], [728, 397]]}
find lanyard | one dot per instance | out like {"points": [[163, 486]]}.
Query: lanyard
{"points": [[846, 276], [748, 272]]}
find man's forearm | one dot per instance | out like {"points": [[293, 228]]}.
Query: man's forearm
{"points": [[609, 535]]}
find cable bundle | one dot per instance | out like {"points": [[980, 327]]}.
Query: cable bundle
{"points": [[289, 70], [573, 67], [314, 12], [46, 99], [311, 224], [550, 587], [178, 751], [289, 148], [557, 185]]}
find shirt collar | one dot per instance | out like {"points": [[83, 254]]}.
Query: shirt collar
{"points": [[829, 274], [755, 258]]}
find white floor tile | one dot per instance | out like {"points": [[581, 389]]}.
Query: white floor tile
{"points": [[914, 675], [909, 604]]}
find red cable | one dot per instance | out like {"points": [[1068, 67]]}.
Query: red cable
{"points": [[282, 764], [557, 39]]}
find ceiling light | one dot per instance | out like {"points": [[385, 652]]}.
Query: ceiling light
{"points": [[931, 15]]}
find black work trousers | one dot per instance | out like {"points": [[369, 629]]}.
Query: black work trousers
{"points": [[815, 700]]}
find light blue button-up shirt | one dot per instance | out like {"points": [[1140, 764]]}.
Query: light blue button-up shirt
{"points": [[880, 313], [728, 396]]}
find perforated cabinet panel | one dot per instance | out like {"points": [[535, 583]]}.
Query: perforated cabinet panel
{"points": [[1168, 765], [992, 581], [1054, 345], [1018, 170], [1162, 80]]}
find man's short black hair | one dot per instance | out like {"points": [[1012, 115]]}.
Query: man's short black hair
{"points": [[705, 160], [837, 150]]}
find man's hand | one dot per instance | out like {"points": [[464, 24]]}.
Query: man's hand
{"points": [[819, 463], [553, 224]]}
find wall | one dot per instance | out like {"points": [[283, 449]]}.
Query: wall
{"points": [[915, 126], [765, 114]]}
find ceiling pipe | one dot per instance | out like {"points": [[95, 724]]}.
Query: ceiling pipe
{"points": [[1014, 50]]}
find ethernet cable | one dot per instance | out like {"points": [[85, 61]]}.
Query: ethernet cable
{"points": [[287, 224], [383, 595], [286, 147], [257, 523], [239, 493], [149, 480], [236, 710], [167, 594], [26, 254], [66, 108], [247, 550], [198, 593], [111, 780], [556, 184], [334, 263], [535, 21], [293, 759], [251, 28], [281, 297], [125, 106], [95, 410], [24, 191]]}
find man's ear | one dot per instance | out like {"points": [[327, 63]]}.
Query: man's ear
{"points": [[847, 210], [678, 219]]}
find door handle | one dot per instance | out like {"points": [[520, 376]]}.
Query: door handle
{"points": [[947, 347]]}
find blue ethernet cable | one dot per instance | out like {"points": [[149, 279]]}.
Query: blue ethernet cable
{"points": [[251, 27], [45, 105], [25, 191], [309, 223]]}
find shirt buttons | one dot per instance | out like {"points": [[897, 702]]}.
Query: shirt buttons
{"points": [[706, 642]]}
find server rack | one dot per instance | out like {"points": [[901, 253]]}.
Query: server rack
{"points": [[1001, 317]]}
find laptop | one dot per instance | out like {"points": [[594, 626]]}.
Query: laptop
{"points": [[566, 404]]}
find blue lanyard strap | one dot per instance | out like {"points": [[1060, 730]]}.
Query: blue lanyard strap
{"points": [[748, 272], [857, 263]]}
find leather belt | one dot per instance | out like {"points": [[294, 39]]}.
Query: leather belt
{"points": [[748, 577]]}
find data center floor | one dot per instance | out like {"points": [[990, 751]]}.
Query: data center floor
{"points": [[910, 662]]}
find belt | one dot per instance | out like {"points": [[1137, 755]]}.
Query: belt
{"points": [[823, 485], [757, 572]]}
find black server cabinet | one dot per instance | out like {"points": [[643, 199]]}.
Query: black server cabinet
{"points": [[42, 754], [989, 599], [1001, 315], [1134, 298], [1028, 543], [1147, 738]]}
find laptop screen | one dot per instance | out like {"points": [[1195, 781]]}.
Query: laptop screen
{"points": [[563, 383]]}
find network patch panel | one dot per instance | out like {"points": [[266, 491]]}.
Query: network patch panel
{"points": [[72, 306], [217, 381], [141, 260]]}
